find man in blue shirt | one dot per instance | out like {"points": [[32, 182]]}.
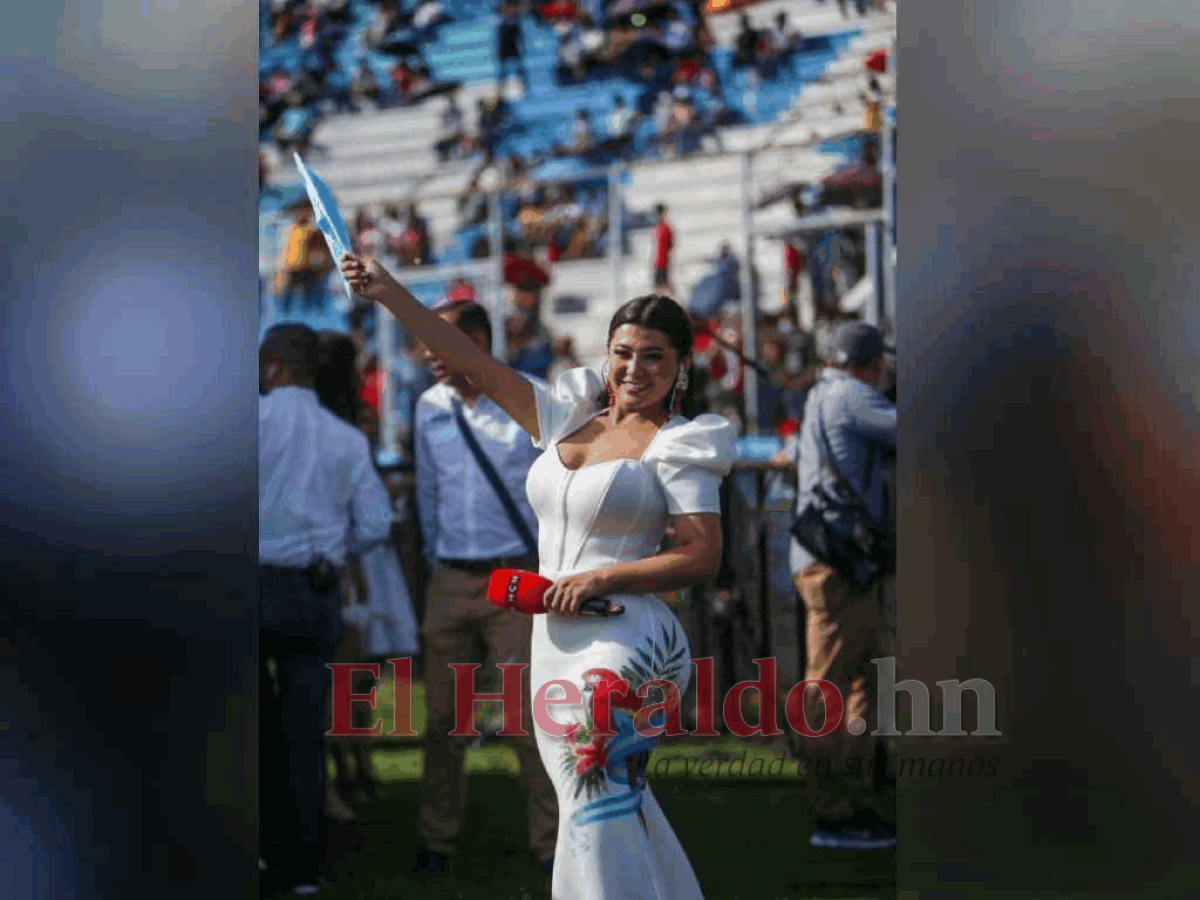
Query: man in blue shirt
{"points": [[467, 532], [846, 625], [320, 500]]}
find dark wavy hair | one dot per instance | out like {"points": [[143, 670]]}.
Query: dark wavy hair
{"points": [[337, 376], [472, 318], [664, 315]]}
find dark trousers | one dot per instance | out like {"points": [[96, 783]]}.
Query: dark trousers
{"points": [[509, 52], [825, 299], [298, 635]]}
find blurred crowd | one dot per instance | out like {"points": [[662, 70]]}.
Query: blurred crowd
{"points": [[665, 47], [819, 271], [297, 92], [787, 355], [678, 108]]}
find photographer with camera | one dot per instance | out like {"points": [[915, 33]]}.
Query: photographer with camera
{"points": [[842, 555], [320, 500]]}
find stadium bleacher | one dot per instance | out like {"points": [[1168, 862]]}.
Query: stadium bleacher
{"points": [[376, 156]]}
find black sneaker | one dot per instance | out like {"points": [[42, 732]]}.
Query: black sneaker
{"points": [[865, 831], [430, 863]]}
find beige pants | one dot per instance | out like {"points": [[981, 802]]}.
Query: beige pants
{"points": [[457, 620], [846, 630]]}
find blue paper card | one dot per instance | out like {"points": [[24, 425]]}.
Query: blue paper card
{"points": [[328, 218]]}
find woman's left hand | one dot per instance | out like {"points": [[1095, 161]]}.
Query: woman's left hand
{"points": [[566, 595], [367, 277]]}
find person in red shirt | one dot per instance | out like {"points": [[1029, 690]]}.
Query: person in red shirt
{"points": [[403, 81], [460, 291], [528, 279], [664, 243], [706, 351], [794, 264], [687, 70], [371, 391], [556, 10]]}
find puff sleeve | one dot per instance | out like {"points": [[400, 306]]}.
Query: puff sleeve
{"points": [[566, 406], [691, 459]]}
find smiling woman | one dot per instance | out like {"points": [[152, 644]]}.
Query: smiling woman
{"points": [[620, 466], [605, 490], [656, 331], [646, 382]]}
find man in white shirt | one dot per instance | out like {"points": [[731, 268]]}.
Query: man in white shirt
{"points": [[427, 14], [582, 139], [784, 40], [470, 528], [320, 500], [620, 120], [451, 130]]}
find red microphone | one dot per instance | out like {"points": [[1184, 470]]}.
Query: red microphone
{"points": [[524, 592]]}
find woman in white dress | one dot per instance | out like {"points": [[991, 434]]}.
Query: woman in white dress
{"points": [[619, 466]]}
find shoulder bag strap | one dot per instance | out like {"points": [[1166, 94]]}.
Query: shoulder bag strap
{"points": [[832, 466], [493, 478]]}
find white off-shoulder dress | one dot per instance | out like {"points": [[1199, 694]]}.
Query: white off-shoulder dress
{"points": [[614, 842]]}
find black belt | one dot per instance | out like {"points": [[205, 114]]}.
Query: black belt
{"points": [[321, 575], [485, 566]]}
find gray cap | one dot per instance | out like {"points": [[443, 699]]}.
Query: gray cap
{"points": [[855, 343]]}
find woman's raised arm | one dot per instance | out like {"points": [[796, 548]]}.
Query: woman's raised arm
{"points": [[511, 391]]}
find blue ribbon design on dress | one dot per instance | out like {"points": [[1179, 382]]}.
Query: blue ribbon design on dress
{"points": [[624, 744]]}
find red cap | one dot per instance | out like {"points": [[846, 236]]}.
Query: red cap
{"points": [[518, 589]]}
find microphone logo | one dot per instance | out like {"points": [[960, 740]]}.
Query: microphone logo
{"points": [[510, 596]]}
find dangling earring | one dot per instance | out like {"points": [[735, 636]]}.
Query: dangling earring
{"points": [[608, 391], [677, 391]]}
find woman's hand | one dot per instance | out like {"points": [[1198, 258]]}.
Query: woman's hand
{"points": [[566, 595], [367, 277], [507, 387]]}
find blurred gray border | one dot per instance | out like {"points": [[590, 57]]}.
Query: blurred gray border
{"points": [[1049, 497], [128, 469]]}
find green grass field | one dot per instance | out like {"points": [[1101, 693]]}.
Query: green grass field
{"points": [[746, 836]]}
